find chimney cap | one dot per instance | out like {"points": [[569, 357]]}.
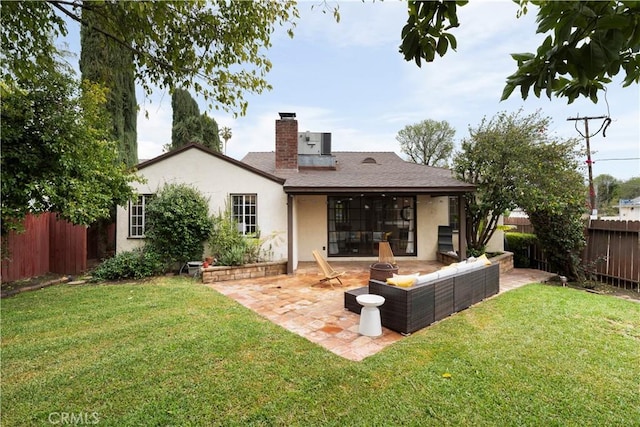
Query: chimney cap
{"points": [[287, 116]]}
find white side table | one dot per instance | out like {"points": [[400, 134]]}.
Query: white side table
{"points": [[370, 324]]}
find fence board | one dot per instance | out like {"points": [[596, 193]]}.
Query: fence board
{"points": [[622, 225], [613, 250], [522, 225], [47, 245], [28, 251], [68, 245]]}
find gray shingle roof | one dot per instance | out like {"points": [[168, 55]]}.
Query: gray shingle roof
{"points": [[389, 173]]}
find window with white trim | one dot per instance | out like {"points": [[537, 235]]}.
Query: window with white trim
{"points": [[244, 212], [454, 214], [137, 215]]}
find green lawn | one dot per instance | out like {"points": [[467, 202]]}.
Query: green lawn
{"points": [[173, 352]]}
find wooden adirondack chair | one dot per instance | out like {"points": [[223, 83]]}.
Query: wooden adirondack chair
{"points": [[327, 270]]}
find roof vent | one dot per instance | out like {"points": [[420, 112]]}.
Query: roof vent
{"points": [[369, 160]]}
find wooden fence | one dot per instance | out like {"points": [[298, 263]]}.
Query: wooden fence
{"points": [[612, 252], [522, 225], [48, 245]]}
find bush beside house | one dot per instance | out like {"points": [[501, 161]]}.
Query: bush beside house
{"points": [[178, 224], [135, 264]]}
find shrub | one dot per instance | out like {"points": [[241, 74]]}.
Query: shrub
{"points": [[178, 224], [561, 235], [519, 243], [233, 256], [227, 243], [135, 264], [476, 252], [230, 247]]}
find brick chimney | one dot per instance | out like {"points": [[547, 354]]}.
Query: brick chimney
{"points": [[287, 142]]}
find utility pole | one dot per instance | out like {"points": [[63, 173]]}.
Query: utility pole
{"points": [[592, 193]]}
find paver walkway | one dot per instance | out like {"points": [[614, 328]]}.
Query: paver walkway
{"points": [[316, 311]]}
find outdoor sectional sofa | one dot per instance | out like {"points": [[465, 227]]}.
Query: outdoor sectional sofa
{"points": [[433, 297]]}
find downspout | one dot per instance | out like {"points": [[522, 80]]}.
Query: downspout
{"points": [[462, 228], [289, 234]]}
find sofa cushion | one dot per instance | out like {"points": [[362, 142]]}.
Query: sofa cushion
{"points": [[468, 267], [428, 278], [447, 272], [403, 280], [483, 259]]}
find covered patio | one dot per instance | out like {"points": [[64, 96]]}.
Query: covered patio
{"points": [[315, 311]]}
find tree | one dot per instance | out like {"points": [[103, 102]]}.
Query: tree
{"points": [[225, 134], [591, 42], [215, 48], [189, 126], [183, 106], [629, 189], [559, 226], [178, 223], [552, 191], [502, 157], [210, 132], [104, 61], [56, 152], [610, 190], [606, 188], [428, 143]]}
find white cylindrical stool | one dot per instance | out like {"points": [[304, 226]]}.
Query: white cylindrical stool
{"points": [[370, 324]]}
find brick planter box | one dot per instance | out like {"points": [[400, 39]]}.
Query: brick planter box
{"points": [[249, 271], [505, 260]]}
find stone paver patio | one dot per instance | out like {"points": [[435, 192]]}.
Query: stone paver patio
{"points": [[315, 311]]}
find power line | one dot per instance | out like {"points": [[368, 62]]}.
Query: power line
{"points": [[586, 136], [621, 158]]}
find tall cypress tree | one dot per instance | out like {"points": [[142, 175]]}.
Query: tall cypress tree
{"points": [[185, 109], [104, 61], [189, 126]]}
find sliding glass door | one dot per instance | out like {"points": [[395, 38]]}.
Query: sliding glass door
{"points": [[358, 223]]}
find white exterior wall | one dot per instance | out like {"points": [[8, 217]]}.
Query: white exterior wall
{"points": [[216, 179], [311, 226], [432, 212], [630, 213], [496, 243]]}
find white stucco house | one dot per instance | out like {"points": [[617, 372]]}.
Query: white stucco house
{"points": [[629, 209], [341, 203]]}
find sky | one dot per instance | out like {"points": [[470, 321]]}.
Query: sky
{"points": [[350, 79]]}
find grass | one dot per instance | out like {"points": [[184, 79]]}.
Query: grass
{"points": [[171, 352]]}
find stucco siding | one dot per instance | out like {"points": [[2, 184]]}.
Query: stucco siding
{"points": [[216, 179], [496, 243], [311, 226], [432, 212]]}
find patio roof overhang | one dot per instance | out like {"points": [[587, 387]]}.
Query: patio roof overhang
{"points": [[433, 191]]}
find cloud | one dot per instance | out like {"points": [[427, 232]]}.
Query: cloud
{"points": [[154, 131], [349, 79], [362, 24]]}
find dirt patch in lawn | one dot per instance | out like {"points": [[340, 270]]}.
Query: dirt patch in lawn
{"points": [[8, 289], [630, 294]]}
